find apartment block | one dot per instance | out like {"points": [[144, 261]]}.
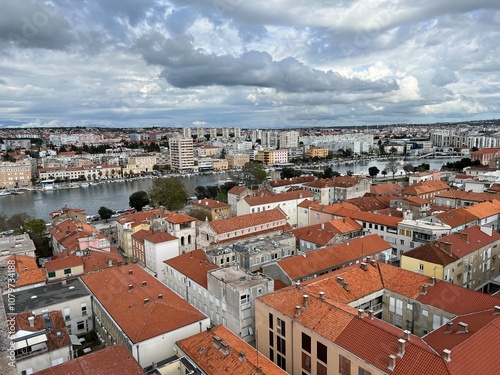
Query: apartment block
{"points": [[181, 154]]}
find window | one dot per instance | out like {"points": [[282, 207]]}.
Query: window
{"points": [[271, 339], [281, 345], [271, 354], [271, 320], [362, 371], [84, 309], [80, 325], [425, 312], [344, 366], [67, 271], [67, 315], [322, 352], [306, 362], [306, 342], [280, 326], [321, 369], [392, 304], [281, 362], [51, 274], [244, 298]]}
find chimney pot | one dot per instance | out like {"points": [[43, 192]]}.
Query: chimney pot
{"points": [[346, 285], [130, 287], [424, 289], [305, 299], [373, 262], [371, 314], [146, 301], [160, 296], [449, 327], [433, 280], [322, 296], [360, 313], [447, 355], [144, 283], [340, 280], [130, 272], [392, 362], [407, 335], [363, 266], [297, 311], [462, 327], [497, 310], [401, 347], [31, 321], [297, 285]]}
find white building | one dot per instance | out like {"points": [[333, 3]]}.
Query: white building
{"points": [[181, 154]]}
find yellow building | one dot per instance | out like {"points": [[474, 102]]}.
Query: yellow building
{"points": [[237, 161], [140, 164], [220, 165], [13, 175], [213, 210], [317, 152]]}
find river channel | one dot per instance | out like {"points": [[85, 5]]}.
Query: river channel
{"points": [[115, 195]]}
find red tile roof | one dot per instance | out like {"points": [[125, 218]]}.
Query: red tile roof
{"points": [[317, 261], [194, 265], [111, 360], [457, 217], [281, 197], [385, 189], [368, 203], [140, 312], [237, 190], [484, 210], [467, 195], [210, 203], [240, 359], [291, 181], [425, 187], [54, 341], [369, 217], [27, 271], [63, 263], [323, 233], [249, 220]]}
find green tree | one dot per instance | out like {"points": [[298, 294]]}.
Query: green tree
{"points": [[105, 213], [373, 171], [36, 229], [384, 172], [423, 167], [138, 200], [408, 168], [288, 172], [168, 192], [350, 173], [200, 192], [3, 222], [16, 222], [251, 174]]}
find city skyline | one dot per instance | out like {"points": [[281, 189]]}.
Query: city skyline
{"points": [[228, 63]]}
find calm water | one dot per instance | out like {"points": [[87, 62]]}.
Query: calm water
{"points": [[115, 195]]}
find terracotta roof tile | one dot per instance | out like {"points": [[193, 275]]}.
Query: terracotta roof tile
{"points": [[369, 217], [385, 189], [249, 220], [367, 203], [27, 270], [425, 187], [484, 210], [281, 197], [195, 265], [467, 195], [59, 325], [210, 203], [323, 233], [111, 360], [63, 263], [237, 190], [140, 312], [457, 217], [240, 359]]}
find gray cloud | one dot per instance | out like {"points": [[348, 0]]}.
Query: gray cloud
{"points": [[30, 24], [186, 66]]}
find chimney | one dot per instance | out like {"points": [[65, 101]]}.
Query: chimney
{"points": [[462, 327], [305, 299], [449, 327], [497, 310], [446, 247], [424, 289], [242, 355], [371, 314], [406, 335], [340, 280], [130, 287], [64, 282], [297, 311], [146, 301], [401, 347], [297, 284], [363, 266], [346, 285], [322, 296], [130, 272], [360, 313], [465, 237], [160, 296], [447, 355], [373, 262], [110, 262], [31, 321], [144, 283], [433, 280], [392, 362]]}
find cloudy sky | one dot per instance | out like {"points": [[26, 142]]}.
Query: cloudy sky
{"points": [[261, 63]]}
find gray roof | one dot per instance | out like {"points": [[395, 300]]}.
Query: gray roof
{"points": [[43, 296]]}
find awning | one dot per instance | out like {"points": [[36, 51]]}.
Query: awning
{"points": [[74, 340], [37, 339]]}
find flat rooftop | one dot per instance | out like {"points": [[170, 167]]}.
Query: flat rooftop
{"points": [[46, 295]]}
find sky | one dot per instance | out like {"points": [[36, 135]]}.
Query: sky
{"points": [[250, 64]]}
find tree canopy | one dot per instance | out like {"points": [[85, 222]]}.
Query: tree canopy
{"points": [[251, 174], [373, 171], [168, 192], [288, 172], [392, 166], [138, 200], [105, 213]]}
